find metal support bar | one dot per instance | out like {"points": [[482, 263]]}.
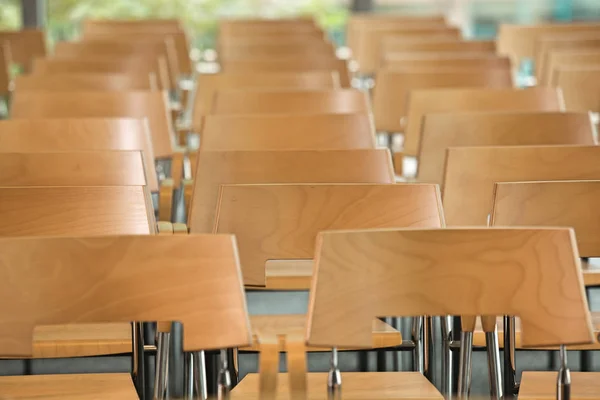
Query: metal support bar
{"points": [[510, 379], [161, 378], [427, 335], [418, 354], [224, 376], [195, 383], [334, 377], [494, 370], [138, 366], [446, 327], [563, 382], [464, 370]]}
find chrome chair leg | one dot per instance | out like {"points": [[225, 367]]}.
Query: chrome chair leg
{"points": [[494, 371], [510, 379], [418, 352], [427, 339], [223, 377], [138, 369], [563, 382], [334, 377], [464, 371], [446, 328], [161, 378], [195, 384]]}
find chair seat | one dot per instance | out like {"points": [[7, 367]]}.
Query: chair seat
{"points": [[384, 335], [542, 385], [355, 385], [69, 387], [479, 335], [80, 340]]}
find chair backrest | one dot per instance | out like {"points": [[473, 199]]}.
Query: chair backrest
{"points": [[371, 47], [391, 47], [531, 273], [290, 102], [132, 104], [311, 166], [518, 41], [76, 210], [560, 203], [159, 48], [392, 87], [25, 45], [132, 25], [281, 222], [442, 131], [567, 58], [422, 102], [148, 278], [474, 170], [5, 65], [310, 48], [209, 84], [288, 132], [97, 168], [423, 60], [580, 86], [546, 44], [289, 64], [76, 135], [106, 65], [79, 81]]}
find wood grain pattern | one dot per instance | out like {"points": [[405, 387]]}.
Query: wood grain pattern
{"points": [[69, 387], [237, 167], [567, 58], [547, 43], [537, 385], [106, 168], [290, 64], [64, 211], [422, 102], [532, 273], [392, 88], [290, 102], [474, 170], [85, 134], [581, 87], [132, 104], [419, 60], [279, 222], [357, 386], [284, 325], [445, 130], [209, 84], [202, 283], [518, 41], [288, 132], [561, 203], [79, 81], [25, 45]]}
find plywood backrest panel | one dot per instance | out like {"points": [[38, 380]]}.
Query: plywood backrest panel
{"points": [[581, 87], [417, 61], [568, 59], [216, 168], [281, 222], [193, 279], [531, 273], [134, 104], [444, 130], [474, 170], [422, 102], [288, 132], [86, 81]]}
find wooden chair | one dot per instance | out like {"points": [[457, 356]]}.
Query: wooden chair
{"points": [[5, 65], [272, 40], [271, 28], [392, 87], [290, 102], [547, 43], [445, 130], [124, 48], [424, 60], [289, 64], [518, 41], [209, 84], [82, 81], [474, 170], [132, 270], [288, 132], [422, 102], [98, 168], [567, 58], [406, 273], [369, 52], [581, 87], [107, 65], [314, 48], [25, 45], [276, 225], [392, 47], [236, 167]]}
